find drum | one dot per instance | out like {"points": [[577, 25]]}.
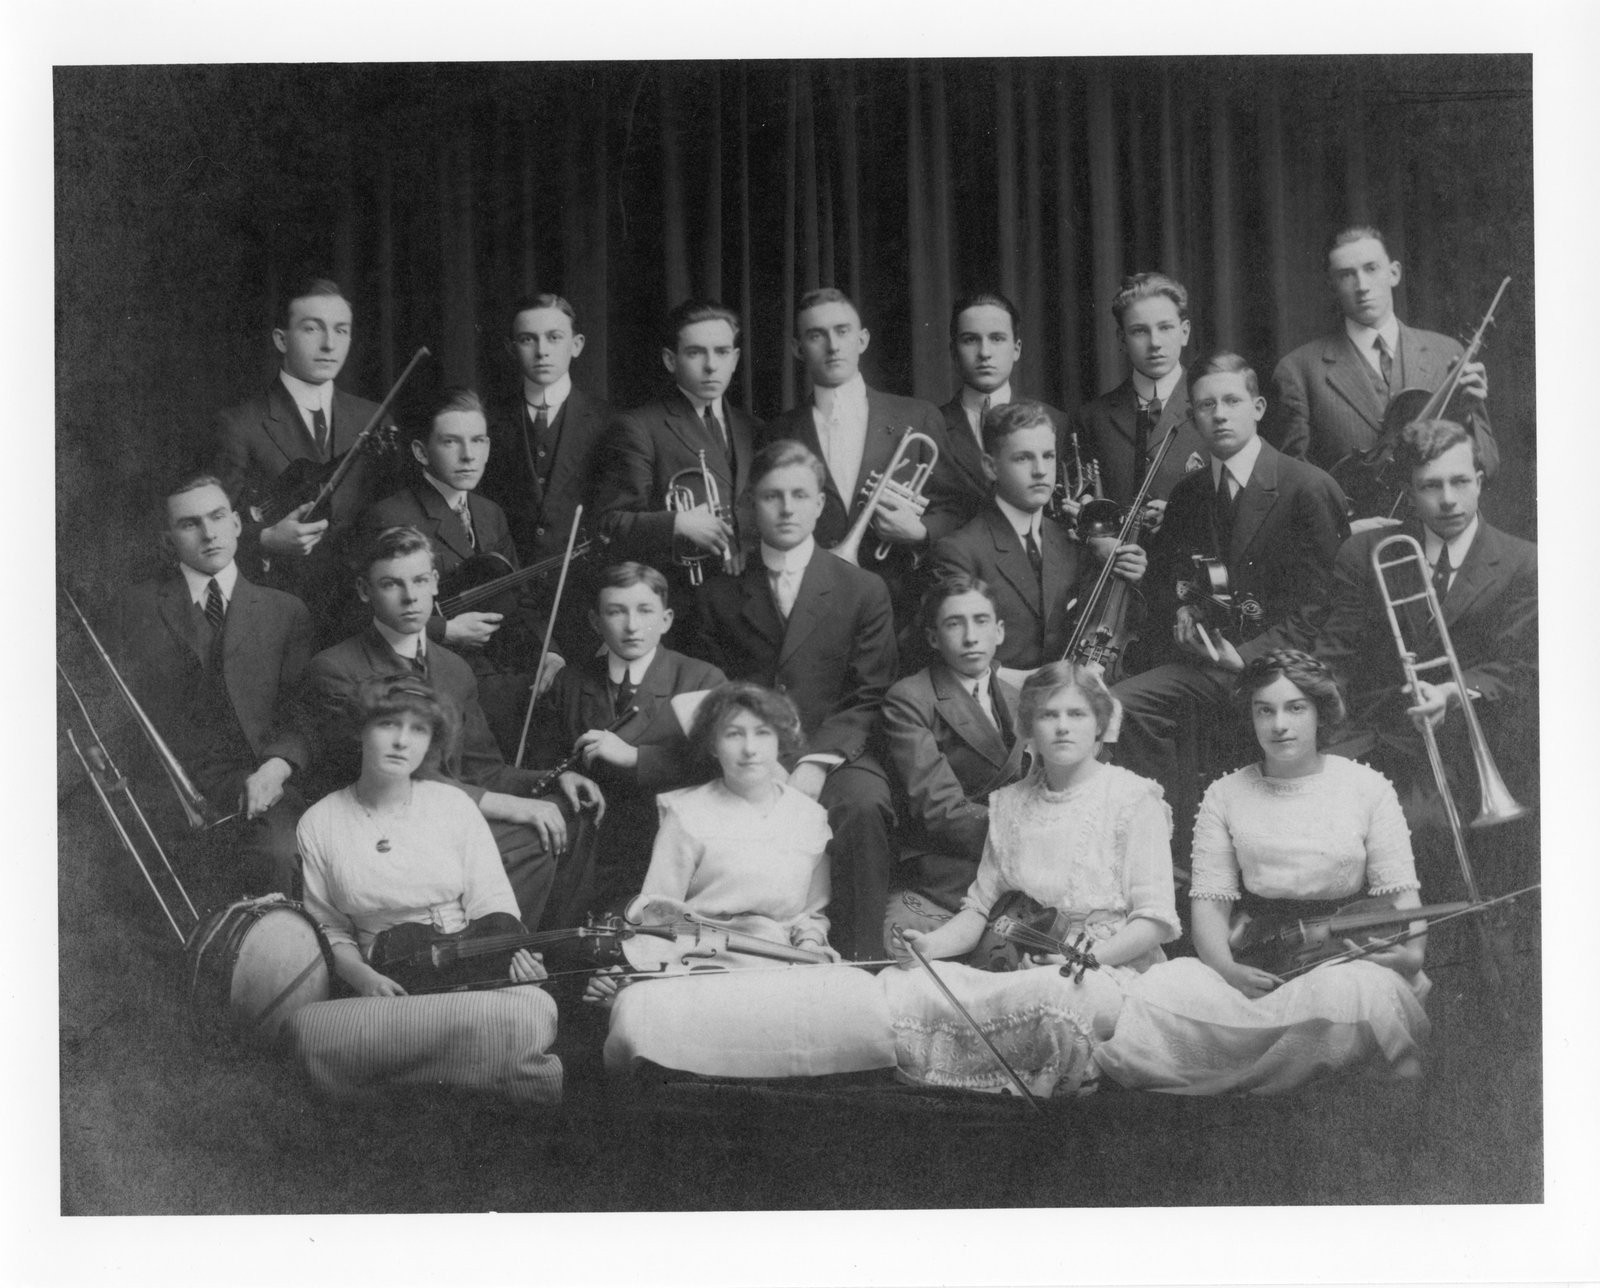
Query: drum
{"points": [[255, 963]]}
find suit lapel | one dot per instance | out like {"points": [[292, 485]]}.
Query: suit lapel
{"points": [[348, 422], [446, 523], [1012, 559], [882, 439], [758, 609], [960, 710], [962, 446], [1475, 575], [1254, 503], [1122, 407], [1349, 376], [1060, 568], [285, 426], [690, 431], [175, 611], [655, 687], [810, 604]]}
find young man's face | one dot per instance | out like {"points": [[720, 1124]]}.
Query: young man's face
{"points": [[967, 633], [1446, 490], [788, 505], [456, 450], [203, 529], [830, 340], [1153, 335], [630, 619], [1024, 467], [544, 345], [985, 346], [401, 591], [705, 359], [317, 340], [1363, 278], [1226, 412]]}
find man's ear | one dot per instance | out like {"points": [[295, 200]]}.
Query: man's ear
{"points": [[419, 453], [666, 620], [364, 590], [669, 360], [280, 341], [577, 345], [989, 471]]}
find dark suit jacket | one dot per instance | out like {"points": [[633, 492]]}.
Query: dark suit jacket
{"points": [[540, 516], [1036, 628], [1107, 429], [1328, 405], [835, 657], [1491, 612], [331, 681], [1288, 523], [266, 641], [947, 757], [647, 446], [969, 485]]}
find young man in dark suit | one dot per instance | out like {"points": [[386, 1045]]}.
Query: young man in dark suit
{"points": [[650, 445], [301, 416], [398, 581], [1488, 587], [854, 430], [450, 447], [821, 630], [545, 439], [1333, 391], [212, 660], [1123, 429], [952, 739], [1275, 524], [986, 342], [648, 752], [1037, 573]]}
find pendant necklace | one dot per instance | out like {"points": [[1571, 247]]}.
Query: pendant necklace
{"points": [[384, 846]]}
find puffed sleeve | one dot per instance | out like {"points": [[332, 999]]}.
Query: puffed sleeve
{"points": [[1213, 865], [314, 841], [811, 923], [1390, 865], [1147, 861], [677, 852], [485, 888]]}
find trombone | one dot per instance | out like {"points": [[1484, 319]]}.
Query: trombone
{"points": [[1498, 805], [680, 497], [880, 483]]}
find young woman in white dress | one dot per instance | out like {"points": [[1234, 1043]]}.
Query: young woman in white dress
{"points": [[1302, 832], [1078, 835]]}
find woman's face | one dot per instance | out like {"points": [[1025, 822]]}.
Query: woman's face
{"points": [[1065, 732], [1285, 718], [746, 747], [394, 745]]}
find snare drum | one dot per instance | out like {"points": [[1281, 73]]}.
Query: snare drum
{"points": [[255, 963]]}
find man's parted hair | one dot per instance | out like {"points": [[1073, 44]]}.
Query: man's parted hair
{"points": [[770, 708], [544, 300], [1141, 286], [392, 543], [984, 299], [949, 587], [187, 483], [1354, 233], [999, 423], [1222, 364], [619, 576], [451, 398], [822, 295], [1427, 440], [692, 311], [302, 288], [783, 452]]}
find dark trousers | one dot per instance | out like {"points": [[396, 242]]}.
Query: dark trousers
{"points": [[552, 891], [861, 813]]}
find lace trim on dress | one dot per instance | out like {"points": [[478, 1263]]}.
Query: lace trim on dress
{"points": [[1221, 896], [1393, 887]]}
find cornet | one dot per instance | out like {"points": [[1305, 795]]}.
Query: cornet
{"points": [[1077, 482], [681, 497], [878, 484]]}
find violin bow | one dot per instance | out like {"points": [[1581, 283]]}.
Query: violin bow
{"points": [[1016, 1081], [549, 630]]}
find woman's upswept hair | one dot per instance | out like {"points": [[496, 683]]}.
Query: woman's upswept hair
{"points": [[1038, 687], [392, 695], [1312, 677], [733, 695]]}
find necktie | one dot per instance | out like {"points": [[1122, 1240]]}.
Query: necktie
{"points": [[714, 428], [464, 513], [1035, 555], [319, 431], [1225, 503], [419, 663], [625, 692], [1385, 362], [1441, 573], [216, 611], [1149, 418], [977, 694], [783, 590]]}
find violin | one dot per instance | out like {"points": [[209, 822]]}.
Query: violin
{"points": [[1235, 615], [1285, 944], [1020, 927], [483, 583]]}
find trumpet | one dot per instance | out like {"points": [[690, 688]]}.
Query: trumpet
{"points": [[880, 483], [681, 497], [1077, 483], [1498, 805]]}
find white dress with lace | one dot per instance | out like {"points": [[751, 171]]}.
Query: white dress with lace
{"points": [[1101, 852], [1333, 835]]}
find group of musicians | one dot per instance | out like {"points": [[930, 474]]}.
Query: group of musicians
{"points": [[892, 568]]}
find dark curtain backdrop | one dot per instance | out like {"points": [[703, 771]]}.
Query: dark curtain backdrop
{"points": [[436, 194]]}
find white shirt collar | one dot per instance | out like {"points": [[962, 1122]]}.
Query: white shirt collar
{"points": [[700, 405], [1146, 389], [1431, 542], [452, 495], [552, 396], [972, 399], [616, 666], [309, 397], [1021, 521], [199, 582], [1363, 336], [407, 646], [795, 560], [1239, 464], [832, 402]]}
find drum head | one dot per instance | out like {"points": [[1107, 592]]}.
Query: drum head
{"points": [[280, 968]]}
